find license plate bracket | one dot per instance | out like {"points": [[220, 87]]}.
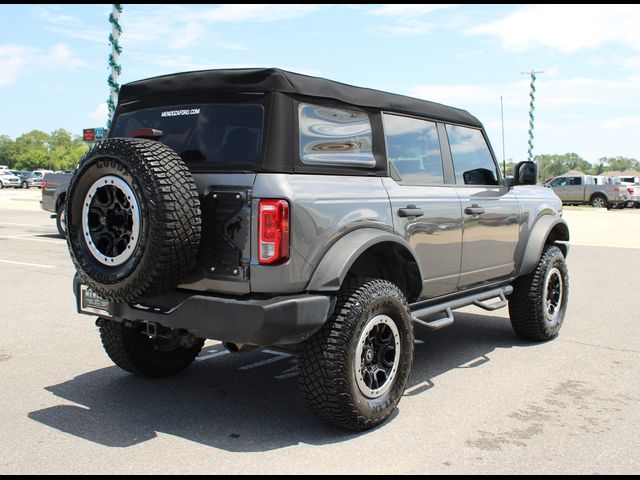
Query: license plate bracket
{"points": [[91, 302]]}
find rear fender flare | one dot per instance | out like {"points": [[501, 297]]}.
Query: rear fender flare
{"points": [[338, 260]]}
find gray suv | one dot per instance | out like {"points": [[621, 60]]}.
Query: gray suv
{"points": [[262, 207]]}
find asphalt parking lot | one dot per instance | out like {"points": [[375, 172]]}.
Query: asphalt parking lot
{"points": [[479, 400]]}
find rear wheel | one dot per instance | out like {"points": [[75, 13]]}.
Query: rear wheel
{"points": [[354, 370], [539, 300], [134, 351], [598, 201], [61, 220], [25, 185]]}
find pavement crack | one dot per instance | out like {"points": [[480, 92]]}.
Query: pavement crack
{"points": [[601, 346]]}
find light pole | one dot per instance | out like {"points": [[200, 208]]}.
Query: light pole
{"points": [[114, 58]]}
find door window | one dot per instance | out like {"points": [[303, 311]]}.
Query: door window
{"points": [[413, 150], [472, 160]]}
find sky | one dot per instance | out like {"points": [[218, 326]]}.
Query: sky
{"points": [[53, 61]]}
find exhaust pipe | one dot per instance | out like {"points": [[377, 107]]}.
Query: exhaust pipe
{"points": [[238, 347]]}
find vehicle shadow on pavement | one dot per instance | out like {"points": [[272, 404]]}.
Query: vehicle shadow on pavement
{"points": [[466, 344], [223, 404]]}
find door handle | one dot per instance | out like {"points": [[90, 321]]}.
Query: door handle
{"points": [[410, 211], [474, 210]]}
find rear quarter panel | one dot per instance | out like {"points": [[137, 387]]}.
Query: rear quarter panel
{"points": [[324, 208]]}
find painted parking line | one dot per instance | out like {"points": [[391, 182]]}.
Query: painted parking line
{"points": [[27, 264], [277, 356], [213, 354], [27, 225], [29, 238]]}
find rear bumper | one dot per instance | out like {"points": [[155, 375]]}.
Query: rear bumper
{"points": [[254, 320]]}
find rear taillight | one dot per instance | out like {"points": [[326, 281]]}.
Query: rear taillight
{"points": [[43, 184], [273, 231], [630, 190]]}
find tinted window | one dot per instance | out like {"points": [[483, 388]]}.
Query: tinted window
{"points": [[558, 182], [214, 136], [413, 149], [331, 136], [472, 160], [575, 180]]}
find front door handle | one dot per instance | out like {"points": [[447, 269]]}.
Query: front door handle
{"points": [[410, 211], [474, 210]]}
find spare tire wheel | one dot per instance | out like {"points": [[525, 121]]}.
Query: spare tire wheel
{"points": [[133, 219]]}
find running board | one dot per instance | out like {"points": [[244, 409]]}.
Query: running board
{"points": [[446, 308]]}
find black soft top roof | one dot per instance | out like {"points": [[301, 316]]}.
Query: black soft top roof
{"points": [[276, 80]]}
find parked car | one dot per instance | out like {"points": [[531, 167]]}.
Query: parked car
{"points": [[585, 189], [54, 192], [27, 179], [633, 191], [262, 207], [8, 179]]}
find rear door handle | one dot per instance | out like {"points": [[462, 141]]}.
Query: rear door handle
{"points": [[474, 210], [410, 211]]}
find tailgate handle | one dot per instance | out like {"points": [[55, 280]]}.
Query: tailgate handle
{"points": [[474, 210], [410, 211]]}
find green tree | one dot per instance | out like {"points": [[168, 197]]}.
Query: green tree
{"points": [[7, 151], [36, 149], [554, 165], [619, 164]]}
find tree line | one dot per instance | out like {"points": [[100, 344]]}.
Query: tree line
{"points": [[58, 150]]}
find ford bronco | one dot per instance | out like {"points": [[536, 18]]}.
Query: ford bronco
{"points": [[263, 207]]}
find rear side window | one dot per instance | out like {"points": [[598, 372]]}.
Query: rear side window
{"points": [[211, 136], [472, 160], [413, 150], [332, 136]]}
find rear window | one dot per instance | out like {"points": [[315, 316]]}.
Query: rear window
{"points": [[207, 137]]}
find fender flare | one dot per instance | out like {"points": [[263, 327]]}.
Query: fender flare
{"points": [[537, 239], [336, 262]]}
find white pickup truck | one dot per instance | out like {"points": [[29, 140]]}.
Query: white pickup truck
{"points": [[632, 185]]}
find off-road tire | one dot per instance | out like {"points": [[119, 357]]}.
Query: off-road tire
{"points": [[326, 361], [130, 349], [170, 219], [529, 316]]}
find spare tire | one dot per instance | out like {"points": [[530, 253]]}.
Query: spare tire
{"points": [[133, 219]]}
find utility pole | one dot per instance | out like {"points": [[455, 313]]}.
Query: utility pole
{"points": [[114, 59], [532, 98]]}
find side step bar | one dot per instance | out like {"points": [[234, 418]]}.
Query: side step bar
{"points": [[446, 308]]}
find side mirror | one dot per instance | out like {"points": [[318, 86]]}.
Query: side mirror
{"points": [[526, 173]]}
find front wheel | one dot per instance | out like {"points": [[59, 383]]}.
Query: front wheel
{"points": [[134, 351], [353, 372], [25, 185], [539, 300]]}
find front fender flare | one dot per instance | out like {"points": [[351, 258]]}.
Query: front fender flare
{"points": [[537, 239], [337, 261]]}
